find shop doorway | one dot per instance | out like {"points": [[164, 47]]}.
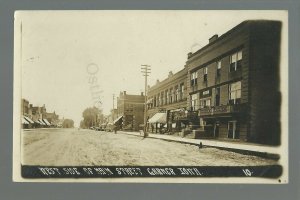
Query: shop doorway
{"points": [[233, 132], [216, 129]]}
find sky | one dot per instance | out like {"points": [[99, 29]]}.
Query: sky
{"points": [[69, 56]]}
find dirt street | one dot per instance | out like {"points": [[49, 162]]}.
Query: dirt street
{"points": [[72, 147]]}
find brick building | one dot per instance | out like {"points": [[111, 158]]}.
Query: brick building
{"points": [[130, 111], [233, 83], [167, 103]]}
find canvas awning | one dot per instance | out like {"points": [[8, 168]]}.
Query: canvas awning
{"points": [[46, 122], [118, 119], [158, 118], [28, 119], [24, 121], [41, 122]]}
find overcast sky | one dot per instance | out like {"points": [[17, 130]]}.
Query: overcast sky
{"points": [[58, 47]]}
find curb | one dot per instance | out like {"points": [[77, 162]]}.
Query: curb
{"points": [[240, 151]]}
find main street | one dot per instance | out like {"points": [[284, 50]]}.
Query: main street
{"points": [[73, 147]]}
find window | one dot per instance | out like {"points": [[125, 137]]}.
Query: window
{"points": [[217, 97], [171, 96], [162, 98], [206, 92], [219, 66], [158, 100], [205, 103], [167, 97], [181, 96], [205, 74], [194, 102], [194, 77], [176, 94], [235, 93], [236, 61]]}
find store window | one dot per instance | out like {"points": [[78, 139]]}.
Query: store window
{"points": [[233, 130]]}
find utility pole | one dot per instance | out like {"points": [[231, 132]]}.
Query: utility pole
{"points": [[146, 70]]}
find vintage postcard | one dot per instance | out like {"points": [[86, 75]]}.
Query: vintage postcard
{"points": [[164, 96]]}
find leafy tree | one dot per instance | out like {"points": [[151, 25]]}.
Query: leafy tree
{"points": [[68, 123], [91, 117]]}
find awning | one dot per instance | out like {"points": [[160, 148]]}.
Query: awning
{"points": [[37, 122], [159, 118], [41, 122], [28, 119], [118, 119], [46, 122], [24, 121]]}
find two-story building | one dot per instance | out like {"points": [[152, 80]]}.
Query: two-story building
{"points": [[130, 111], [167, 103], [233, 83]]}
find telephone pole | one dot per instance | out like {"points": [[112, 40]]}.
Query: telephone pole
{"points": [[146, 70]]}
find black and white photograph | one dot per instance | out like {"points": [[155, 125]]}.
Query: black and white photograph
{"points": [[158, 96]]}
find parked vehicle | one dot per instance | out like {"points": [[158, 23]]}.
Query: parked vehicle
{"points": [[109, 127]]}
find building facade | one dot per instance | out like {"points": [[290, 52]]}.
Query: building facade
{"points": [[233, 83], [130, 111], [170, 97]]}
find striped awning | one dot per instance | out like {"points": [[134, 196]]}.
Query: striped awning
{"points": [[41, 122], [158, 118], [24, 121], [118, 119], [28, 119], [46, 122]]}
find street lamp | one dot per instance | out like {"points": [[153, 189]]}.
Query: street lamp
{"points": [[146, 70]]}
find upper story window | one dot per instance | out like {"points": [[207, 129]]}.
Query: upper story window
{"points": [[181, 95], [162, 99], [194, 77], [171, 96], [205, 74], [219, 66], [176, 94], [166, 97], [235, 92], [236, 61], [194, 102], [205, 103]]}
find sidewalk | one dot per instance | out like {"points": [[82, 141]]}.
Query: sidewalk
{"points": [[244, 148]]}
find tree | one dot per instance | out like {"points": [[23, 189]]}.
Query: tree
{"points": [[91, 117], [68, 123]]}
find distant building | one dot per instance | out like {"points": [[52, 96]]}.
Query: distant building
{"points": [[51, 117], [130, 111], [25, 107]]}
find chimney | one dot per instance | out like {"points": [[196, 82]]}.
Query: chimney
{"points": [[170, 74], [213, 38], [157, 81], [190, 54], [124, 92], [142, 93]]}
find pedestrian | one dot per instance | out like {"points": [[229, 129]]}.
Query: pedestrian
{"points": [[115, 129]]}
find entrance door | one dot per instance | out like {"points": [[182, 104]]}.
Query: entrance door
{"points": [[233, 131], [216, 129]]}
